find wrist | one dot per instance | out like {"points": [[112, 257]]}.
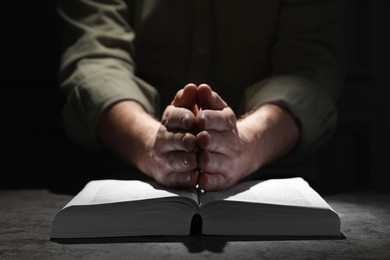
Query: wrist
{"points": [[271, 132], [128, 131]]}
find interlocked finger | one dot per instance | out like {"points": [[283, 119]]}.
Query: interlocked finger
{"points": [[224, 142], [182, 161], [217, 120], [181, 179], [212, 181], [214, 162], [178, 118], [179, 142]]}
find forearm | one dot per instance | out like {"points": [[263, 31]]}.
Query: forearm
{"points": [[270, 132], [128, 131], [93, 78], [315, 111]]}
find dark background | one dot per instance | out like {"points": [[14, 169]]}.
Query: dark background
{"points": [[35, 150]]}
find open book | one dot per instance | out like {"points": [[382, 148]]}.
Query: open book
{"points": [[275, 207]]}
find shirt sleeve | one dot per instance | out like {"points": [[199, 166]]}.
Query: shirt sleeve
{"points": [[308, 66], [97, 68]]}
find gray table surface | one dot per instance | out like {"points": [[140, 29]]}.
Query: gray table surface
{"points": [[26, 217]]}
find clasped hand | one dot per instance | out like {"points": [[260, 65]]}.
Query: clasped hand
{"points": [[198, 142]]}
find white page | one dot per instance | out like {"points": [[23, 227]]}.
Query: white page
{"points": [[289, 191], [110, 191]]}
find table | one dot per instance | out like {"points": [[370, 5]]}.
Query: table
{"points": [[26, 217]]}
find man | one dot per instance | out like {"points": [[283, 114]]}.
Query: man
{"points": [[277, 65]]}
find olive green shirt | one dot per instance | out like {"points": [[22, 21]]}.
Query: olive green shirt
{"points": [[249, 51]]}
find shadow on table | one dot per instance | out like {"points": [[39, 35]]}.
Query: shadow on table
{"points": [[194, 243]]}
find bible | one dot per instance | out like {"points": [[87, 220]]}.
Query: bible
{"points": [[121, 208]]}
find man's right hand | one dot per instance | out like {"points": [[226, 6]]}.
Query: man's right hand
{"points": [[174, 160], [163, 150]]}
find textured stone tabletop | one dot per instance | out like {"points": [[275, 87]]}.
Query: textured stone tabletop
{"points": [[26, 217]]}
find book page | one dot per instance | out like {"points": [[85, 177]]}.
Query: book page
{"points": [[111, 191], [289, 191]]}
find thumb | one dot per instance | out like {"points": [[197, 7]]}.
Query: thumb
{"points": [[208, 99], [186, 97]]}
